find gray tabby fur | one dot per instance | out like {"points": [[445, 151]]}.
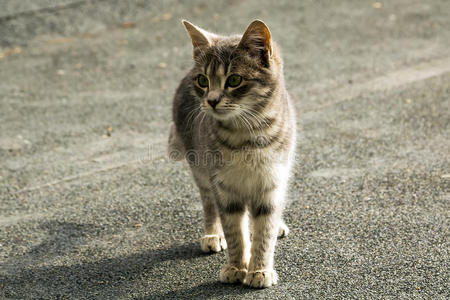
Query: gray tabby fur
{"points": [[240, 148]]}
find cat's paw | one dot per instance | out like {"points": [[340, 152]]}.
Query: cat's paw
{"points": [[231, 274], [261, 279], [283, 230], [213, 243]]}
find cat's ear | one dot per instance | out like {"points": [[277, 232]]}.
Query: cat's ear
{"points": [[198, 36], [257, 40]]}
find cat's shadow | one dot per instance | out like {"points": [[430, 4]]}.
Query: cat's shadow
{"points": [[108, 276]]}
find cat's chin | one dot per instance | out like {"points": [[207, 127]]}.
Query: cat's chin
{"points": [[221, 115]]}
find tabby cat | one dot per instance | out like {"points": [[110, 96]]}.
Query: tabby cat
{"points": [[234, 123]]}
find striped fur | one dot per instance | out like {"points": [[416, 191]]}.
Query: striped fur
{"points": [[239, 142]]}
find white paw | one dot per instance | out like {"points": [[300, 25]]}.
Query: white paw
{"points": [[230, 274], [261, 279], [213, 243], [283, 230]]}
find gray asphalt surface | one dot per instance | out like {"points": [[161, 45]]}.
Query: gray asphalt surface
{"points": [[90, 208]]}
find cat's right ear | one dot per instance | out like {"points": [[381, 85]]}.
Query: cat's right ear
{"points": [[198, 36]]}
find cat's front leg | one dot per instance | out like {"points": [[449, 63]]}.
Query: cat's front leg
{"points": [[266, 219], [235, 226], [214, 239]]}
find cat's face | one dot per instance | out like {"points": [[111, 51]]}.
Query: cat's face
{"points": [[232, 77]]}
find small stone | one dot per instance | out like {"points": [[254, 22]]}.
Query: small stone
{"points": [[14, 165], [108, 132], [10, 144]]}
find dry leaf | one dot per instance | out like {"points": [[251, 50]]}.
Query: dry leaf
{"points": [[163, 17], [128, 25], [88, 35], [166, 16], [15, 50], [376, 5], [11, 51], [60, 40]]}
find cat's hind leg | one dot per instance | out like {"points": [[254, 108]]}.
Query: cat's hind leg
{"points": [[283, 230], [213, 240], [175, 149]]}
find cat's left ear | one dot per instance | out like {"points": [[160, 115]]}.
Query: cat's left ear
{"points": [[257, 40]]}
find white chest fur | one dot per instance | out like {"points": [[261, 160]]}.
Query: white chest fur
{"points": [[251, 172]]}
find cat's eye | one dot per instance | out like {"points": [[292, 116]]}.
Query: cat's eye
{"points": [[234, 80], [202, 81]]}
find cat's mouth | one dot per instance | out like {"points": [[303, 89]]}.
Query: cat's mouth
{"points": [[221, 114]]}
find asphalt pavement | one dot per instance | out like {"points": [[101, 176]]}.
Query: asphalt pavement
{"points": [[91, 208]]}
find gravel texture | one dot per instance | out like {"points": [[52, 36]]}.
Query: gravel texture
{"points": [[90, 207]]}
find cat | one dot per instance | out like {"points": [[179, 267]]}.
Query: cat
{"points": [[234, 123]]}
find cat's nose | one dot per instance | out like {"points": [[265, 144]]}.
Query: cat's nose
{"points": [[214, 102]]}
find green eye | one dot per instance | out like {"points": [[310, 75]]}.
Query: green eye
{"points": [[202, 81], [234, 80]]}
